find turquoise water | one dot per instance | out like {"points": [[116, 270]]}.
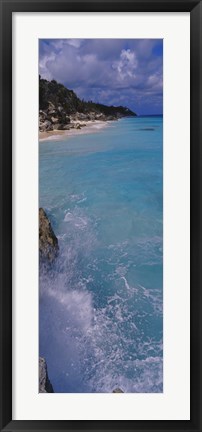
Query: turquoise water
{"points": [[101, 306]]}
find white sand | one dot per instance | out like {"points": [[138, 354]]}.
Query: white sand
{"points": [[91, 127]]}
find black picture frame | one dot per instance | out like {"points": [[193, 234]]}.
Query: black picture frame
{"points": [[7, 7]]}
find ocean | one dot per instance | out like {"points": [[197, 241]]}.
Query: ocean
{"points": [[101, 304]]}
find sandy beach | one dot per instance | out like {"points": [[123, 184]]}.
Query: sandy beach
{"points": [[91, 127]]}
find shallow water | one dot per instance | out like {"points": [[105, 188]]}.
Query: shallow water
{"points": [[101, 306]]}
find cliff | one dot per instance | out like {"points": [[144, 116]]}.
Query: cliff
{"points": [[61, 109]]}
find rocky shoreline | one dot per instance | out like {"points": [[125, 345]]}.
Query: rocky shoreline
{"points": [[60, 109], [55, 119], [90, 127]]}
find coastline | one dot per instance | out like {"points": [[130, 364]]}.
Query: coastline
{"points": [[90, 127]]}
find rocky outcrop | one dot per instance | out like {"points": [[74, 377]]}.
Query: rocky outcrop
{"points": [[53, 118], [61, 109], [45, 385], [117, 390], [48, 242]]}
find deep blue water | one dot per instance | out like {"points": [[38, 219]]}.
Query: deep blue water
{"points": [[101, 306]]}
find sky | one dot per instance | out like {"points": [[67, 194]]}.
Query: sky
{"points": [[126, 72]]}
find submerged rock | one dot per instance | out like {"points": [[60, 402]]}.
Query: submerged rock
{"points": [[45, 385], [48, 242], [117, 390]]}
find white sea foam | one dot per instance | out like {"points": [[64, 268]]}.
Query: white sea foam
{"points": [[78, 198], [90, 345], [126, 283], [77, 221]]}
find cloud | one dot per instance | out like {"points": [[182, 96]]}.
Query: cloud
{"points": [[126, 65], [111, 71]]}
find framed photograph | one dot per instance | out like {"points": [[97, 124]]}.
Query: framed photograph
{"points": [[100, 215]]}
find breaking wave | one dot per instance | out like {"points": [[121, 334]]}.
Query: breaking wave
{"points": [[95, 326]]}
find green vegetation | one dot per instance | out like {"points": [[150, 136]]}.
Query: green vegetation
{"points": [[58, 95]]}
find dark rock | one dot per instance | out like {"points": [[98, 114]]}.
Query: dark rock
{"points": [[51, 106], [100, 117], [62, 118], [111, 118], [117, 390], [45, 385], [51, 112], [66, 127], [48, 242], [92, 116], [82, 116], [42, 115], [58, 126], [45, 126], [54, 120]]}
